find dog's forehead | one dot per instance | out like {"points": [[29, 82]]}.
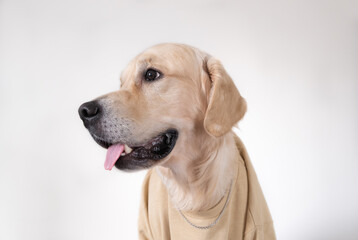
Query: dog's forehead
{"points": [[169, 51]]}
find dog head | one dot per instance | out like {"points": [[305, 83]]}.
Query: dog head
{"points": [[172, 96]]}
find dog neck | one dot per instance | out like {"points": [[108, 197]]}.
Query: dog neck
{"points": [[199, 178]]}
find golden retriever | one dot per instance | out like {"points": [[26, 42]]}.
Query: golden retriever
{"points": [[175, 111]]}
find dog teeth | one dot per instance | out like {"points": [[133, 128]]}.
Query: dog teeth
{"points": [[127, 149]]}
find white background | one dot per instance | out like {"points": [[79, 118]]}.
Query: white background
{"points": [[296, 63]]}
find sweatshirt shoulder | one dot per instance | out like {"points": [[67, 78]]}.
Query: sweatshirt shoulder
{"points": [[152, 183]]}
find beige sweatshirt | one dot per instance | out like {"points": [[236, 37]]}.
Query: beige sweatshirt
{"points": [[246, 216]]}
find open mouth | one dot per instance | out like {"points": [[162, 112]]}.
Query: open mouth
{"points": [[133, 157]]}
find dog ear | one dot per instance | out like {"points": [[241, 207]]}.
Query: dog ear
{"points": [[226, 106]]}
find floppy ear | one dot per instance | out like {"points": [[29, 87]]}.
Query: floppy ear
{"points": [[226, 106]]}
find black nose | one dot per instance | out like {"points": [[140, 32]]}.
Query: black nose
{"points": [[89, 111]]}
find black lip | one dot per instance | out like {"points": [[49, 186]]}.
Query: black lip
{"points": [[101, 142], [150, 153]]}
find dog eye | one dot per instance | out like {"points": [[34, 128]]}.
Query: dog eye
{"points": [[151, 75]]}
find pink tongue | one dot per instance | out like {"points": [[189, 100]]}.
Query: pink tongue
{"points": [[113, 154]]}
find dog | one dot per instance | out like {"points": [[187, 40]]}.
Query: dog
{"points": [[174, 115]]}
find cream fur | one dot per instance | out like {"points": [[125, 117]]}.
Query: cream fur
{"points": [[197, 184]]}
